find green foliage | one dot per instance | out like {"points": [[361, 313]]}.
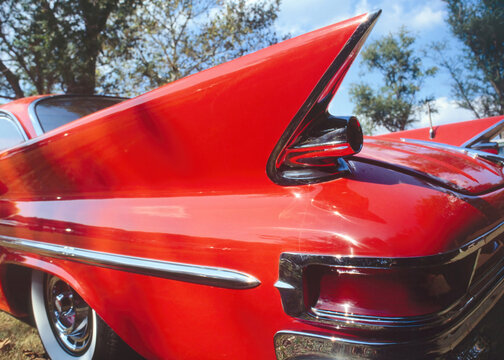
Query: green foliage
{"points": [[172, 39], [478, 76], [396, 104], [122, 46], [53, 45]]}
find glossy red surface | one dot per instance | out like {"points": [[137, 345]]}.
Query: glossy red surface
{"points": [[178, 174], [19, 109], [453, 134], [450, 167]]}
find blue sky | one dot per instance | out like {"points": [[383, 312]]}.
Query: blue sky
{"points": [[425, 19]]}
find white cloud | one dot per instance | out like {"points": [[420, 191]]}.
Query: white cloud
{"points": [[362, 7], [300, 16], [416, 16], [448, 112], [427, 17]]}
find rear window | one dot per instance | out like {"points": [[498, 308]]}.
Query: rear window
{"points": [[55, 111]]}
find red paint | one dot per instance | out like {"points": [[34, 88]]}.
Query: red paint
{"points": [[450, 167], [453, 134], [19, 109], [179, 174]]}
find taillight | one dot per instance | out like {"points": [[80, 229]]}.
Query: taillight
{"points": [[313, 147], [340, 291], [386, 292], [322, 141]]}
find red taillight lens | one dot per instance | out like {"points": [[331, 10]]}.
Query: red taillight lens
{"points": [[386, 292], [314, 144], [316, 153], [324, 139]]}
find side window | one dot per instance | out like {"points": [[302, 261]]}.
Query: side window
{"points": [[55, 111], [10, 132]]}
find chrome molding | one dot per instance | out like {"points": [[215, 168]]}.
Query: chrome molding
{"points": [[15, 121], [33, 115], [204, 275], [293, 345], [491, 131], [290, 286], [464, 150]]}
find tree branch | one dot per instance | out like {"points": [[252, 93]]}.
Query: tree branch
{"points": [[13, 81]]}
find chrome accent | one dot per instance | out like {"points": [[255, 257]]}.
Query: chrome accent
{"points": [[69, 316], [473, 271], [318, 101], [464, 150], [489, 132], [204, 275], [15, 121], [299, 345], [33, 115], [290, 286], [293, 345]]}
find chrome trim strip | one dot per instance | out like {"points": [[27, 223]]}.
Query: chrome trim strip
{"points": [[33, 115], [483, 134], [16, 122], [290, 285], [293, 345], [204, 275], [464, 150]]}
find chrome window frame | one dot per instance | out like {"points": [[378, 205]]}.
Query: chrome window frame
{"points": [[32, 113], [290, 286], [33, 116]]}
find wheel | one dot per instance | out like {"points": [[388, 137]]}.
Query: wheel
{"points": [[68, 327]]}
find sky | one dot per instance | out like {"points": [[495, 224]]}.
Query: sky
{"points": [[424, 18]]}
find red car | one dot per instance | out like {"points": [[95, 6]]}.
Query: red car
{"points": [[227, 215]]}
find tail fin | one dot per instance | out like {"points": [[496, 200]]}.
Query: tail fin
{"points": [[214, 129], [313, 146]]}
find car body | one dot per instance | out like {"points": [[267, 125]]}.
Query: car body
{"points": [[210, 219]]}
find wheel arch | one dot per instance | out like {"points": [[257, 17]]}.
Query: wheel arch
{"points": [[16, 282]]}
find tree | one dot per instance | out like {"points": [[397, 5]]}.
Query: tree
{"points": [[123, 46], [54, 45], [172, 39], [478, 75], [396, 104]]}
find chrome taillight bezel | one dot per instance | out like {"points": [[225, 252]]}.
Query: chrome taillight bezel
{"points": [[314, 109], [292, 289]]}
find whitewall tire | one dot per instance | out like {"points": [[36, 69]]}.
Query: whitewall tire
{"points": [[68, 327]]}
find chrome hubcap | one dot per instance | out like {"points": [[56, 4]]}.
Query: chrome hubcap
{"points": [[69, 315]]}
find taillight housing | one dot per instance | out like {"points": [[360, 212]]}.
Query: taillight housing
{"points": [[314, 145], [317, 150], [350, 291], [386, 292]]}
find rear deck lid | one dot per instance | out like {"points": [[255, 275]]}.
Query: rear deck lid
{"points": [[463, 170]]}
